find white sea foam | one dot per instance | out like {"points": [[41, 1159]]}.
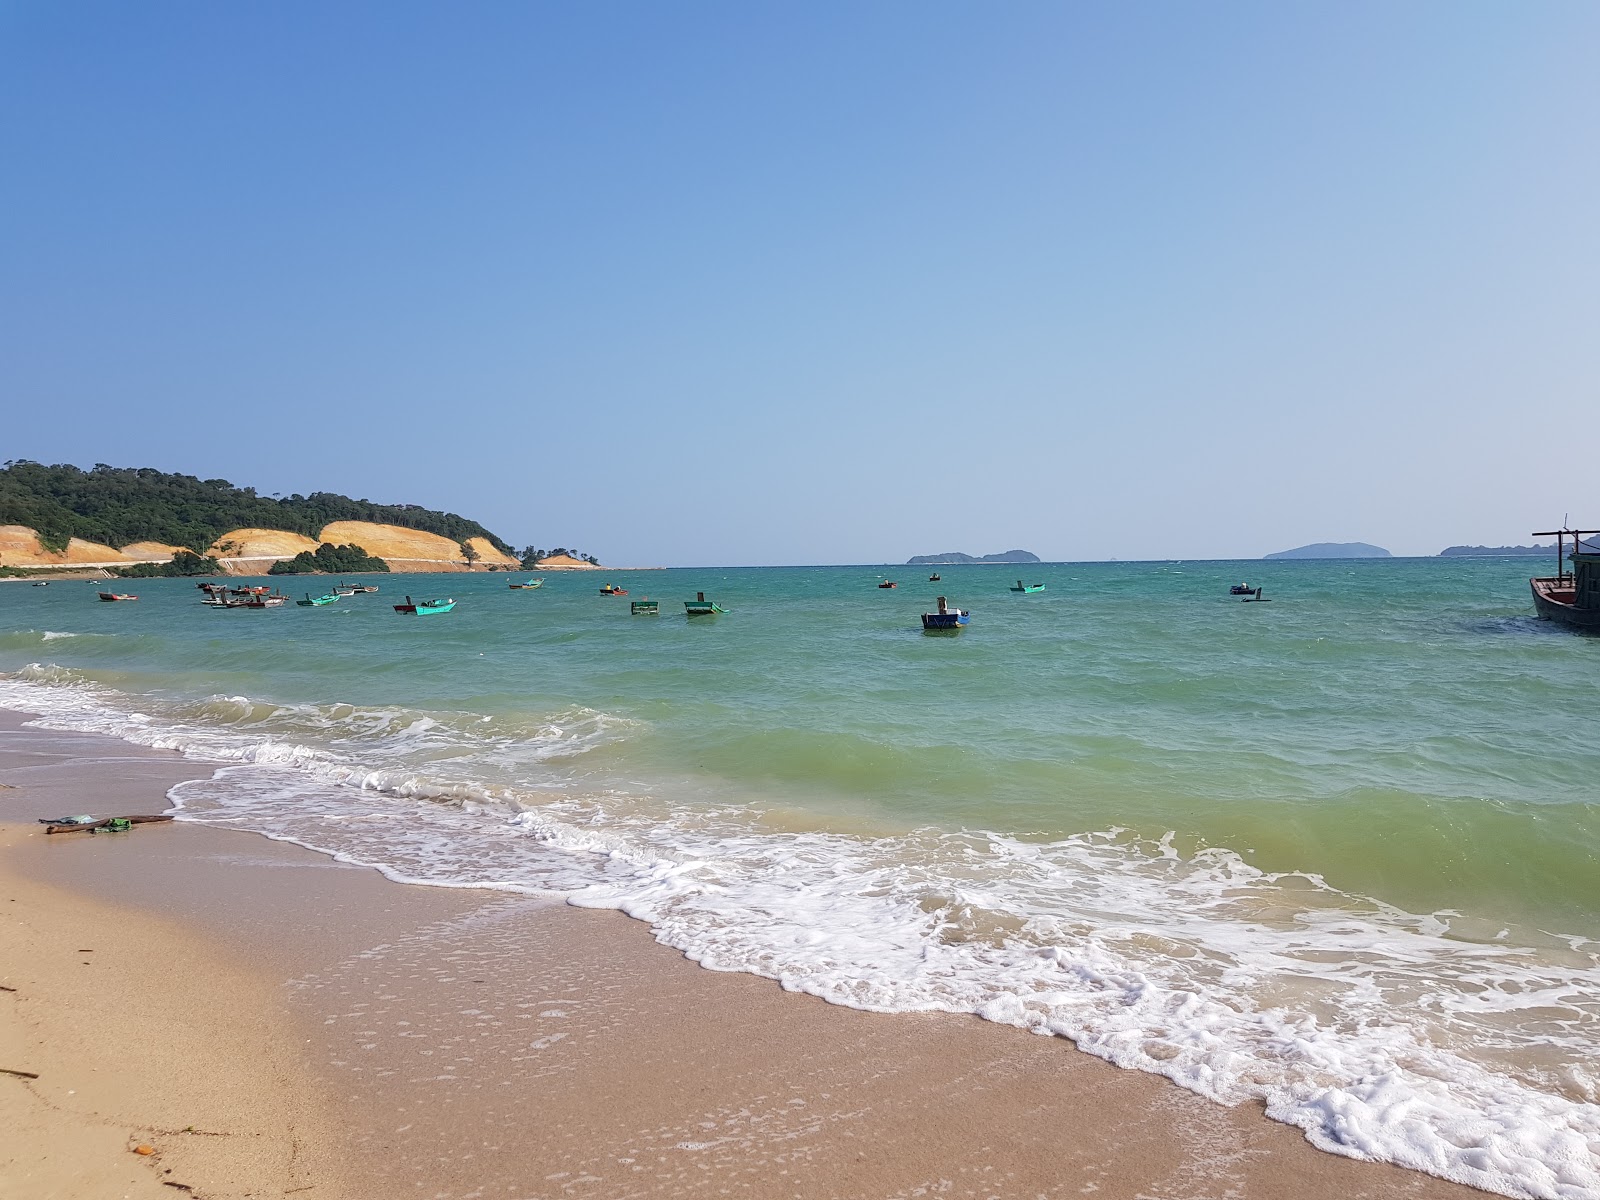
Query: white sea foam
{"points": [[1412, 1038]]}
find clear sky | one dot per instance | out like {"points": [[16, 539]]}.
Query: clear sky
{"points": [[694, 283]]}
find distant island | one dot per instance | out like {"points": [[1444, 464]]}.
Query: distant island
{"points": [[956, 558], [1467, 551], [1333, 550]]}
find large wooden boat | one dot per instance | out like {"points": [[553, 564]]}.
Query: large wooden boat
{"points": [[1571, 597]]}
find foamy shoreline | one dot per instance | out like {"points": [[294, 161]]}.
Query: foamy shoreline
{"points": [[578, 1046]]}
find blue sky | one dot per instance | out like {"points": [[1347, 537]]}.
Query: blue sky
{"points": [[785, 283]]}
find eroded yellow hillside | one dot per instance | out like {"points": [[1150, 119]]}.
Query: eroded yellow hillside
{"points": [[393, 541], [20, 547], [260, 543]]}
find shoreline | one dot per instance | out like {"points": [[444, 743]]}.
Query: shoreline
{"points": [[460, 1042]]}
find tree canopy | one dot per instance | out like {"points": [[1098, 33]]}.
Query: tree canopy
{"points": [[117, 506], [329, 559]]}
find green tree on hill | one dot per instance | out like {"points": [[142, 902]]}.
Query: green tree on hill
{"points": [[329, 559]]}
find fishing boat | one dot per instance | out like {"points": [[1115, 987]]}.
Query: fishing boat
{"points": [[1571, 597], [888, 583], [422, 608], [1028, 587], [613, 590], [645, 608], [356, 589], [701, 607], [945, 618], [109, 596], [316, 601], [42, 583], [1243, 589], [263, 599], [345, 589], [532, 583], [933, 579]]}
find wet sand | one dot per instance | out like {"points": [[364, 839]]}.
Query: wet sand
{"points": [[456, 1044]]}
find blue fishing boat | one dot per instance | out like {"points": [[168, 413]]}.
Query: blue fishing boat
{"points": [[945, 618], [422, 608]]}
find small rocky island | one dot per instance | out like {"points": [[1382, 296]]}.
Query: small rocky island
{"points": [[1494, 551], [1333, 550], [956, 558]]}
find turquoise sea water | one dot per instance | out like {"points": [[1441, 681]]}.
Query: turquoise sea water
{"points": [[1338, 851]]}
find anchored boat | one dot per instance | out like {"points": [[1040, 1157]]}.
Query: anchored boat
{"points": [[532, 583], [946, 618], [109, 596], [644, 608], [1028, 587], [316, 601], [888, 583], [1243, 589], [1571, 597], [422, 608], [613, 590], [701, 607]]}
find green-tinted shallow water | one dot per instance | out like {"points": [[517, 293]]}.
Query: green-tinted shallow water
{"points": [[1400, 740]]}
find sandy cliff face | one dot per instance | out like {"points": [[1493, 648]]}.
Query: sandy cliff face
{"points": [[20, 547], [260, 543], [252, 551], [488, 555], [565, 562], [151, 551]]}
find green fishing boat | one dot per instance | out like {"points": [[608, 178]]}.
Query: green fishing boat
{"points": [[701, 607], [422, 608], [532, 583], [313, 601], [1028, 587], [645, 608]]}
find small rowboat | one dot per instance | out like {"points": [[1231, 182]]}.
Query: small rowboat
{"points": [[109, 596], [887, 583], [945, 618], [612, 590], [316, 601], [644, 608], [701, 607], [933, 579], [422, 608], [532, 583], [1028, 587], [262, 600]]}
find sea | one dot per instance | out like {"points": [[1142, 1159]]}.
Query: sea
{"points": [[1337, 853]]}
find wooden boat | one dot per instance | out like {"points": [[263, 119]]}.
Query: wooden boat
{"points": [[888, 583], [1028, 587], [701, 607], [1243, 589], [422, 608], [1571, 598], [344, 590], [643, 608], [945, 618], [264, 600], [316, 601], [355, 589], [109, 596], [933, 579], [613, 590], [532, 583]]}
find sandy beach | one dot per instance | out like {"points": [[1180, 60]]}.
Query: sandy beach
{"points": [[273, 1023]]}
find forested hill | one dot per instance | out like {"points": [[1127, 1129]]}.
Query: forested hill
{"points": [[117, 506]]}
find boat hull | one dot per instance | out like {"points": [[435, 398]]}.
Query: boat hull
{"points": [[1549, 601], [944, 621]]}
